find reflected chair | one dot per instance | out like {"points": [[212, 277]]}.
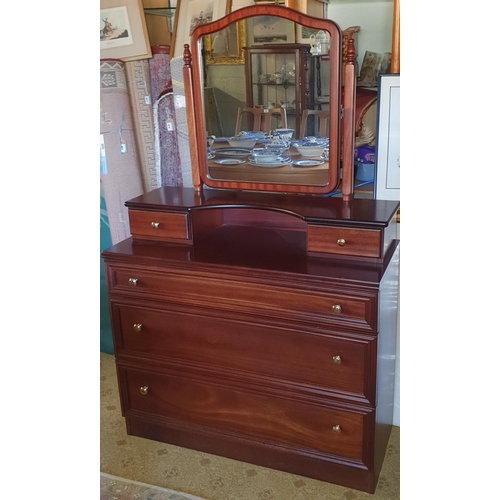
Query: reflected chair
{"points": [[320, 120], [260, 119]]}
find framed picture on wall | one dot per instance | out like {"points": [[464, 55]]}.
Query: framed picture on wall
{"points": [[188, 15], [303, 34], [269, 29], [227, 45], [124, 33], [387, 151]]}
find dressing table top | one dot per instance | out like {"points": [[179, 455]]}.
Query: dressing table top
{"points": [[312, 209]]}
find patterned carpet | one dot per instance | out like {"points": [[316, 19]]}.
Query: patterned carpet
{"points": [[211, 477], [117, 488]]}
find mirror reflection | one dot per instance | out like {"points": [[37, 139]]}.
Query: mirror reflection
{"points": [[266, 94]]}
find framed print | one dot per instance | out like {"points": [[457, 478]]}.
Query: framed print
{"points": [[226, 46], [188, 15], [123, 30], [387, 152], [303, 34], [269, 29]]}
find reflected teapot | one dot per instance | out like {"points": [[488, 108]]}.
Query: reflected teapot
{"points": [[282, 135], [275, 141]]}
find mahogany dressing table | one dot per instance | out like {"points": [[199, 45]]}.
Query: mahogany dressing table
{"points": [[257, 321]]}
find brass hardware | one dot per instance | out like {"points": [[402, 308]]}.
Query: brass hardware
{"points": [[144, 390], [341, 242], [337, 429], [155, 225], [337, 360], [137, 327], [336, 309], [132, 281]]}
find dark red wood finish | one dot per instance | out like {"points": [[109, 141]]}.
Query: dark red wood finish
{"points": [[239, 341], [260, 325]]}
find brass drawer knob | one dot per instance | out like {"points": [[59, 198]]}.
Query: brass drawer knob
{"points": [[144, 390], [337, 429], [341, 242], [132, 281], [336, 309], [137, 327], [337, 360], [155, 225]]}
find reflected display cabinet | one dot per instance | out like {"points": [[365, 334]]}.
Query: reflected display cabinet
{"points": [[278, 77]]}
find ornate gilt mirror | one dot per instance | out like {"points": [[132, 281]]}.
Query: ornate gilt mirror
{"points": [[266, 54]]}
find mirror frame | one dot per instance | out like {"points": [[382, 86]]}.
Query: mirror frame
{"points": [[335, 97]]}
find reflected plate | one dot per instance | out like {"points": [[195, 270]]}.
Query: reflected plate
{"points": [[274, 164], [266, 159], [232, 151], [229, 161], [307, 163]]}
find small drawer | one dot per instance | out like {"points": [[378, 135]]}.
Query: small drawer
{"points": [[330, 307], [340, 241], [159, 226], [330, 362], [327, 429]]}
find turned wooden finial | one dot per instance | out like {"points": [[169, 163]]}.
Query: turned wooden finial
{"points": [[350, 52], [188, 58]]}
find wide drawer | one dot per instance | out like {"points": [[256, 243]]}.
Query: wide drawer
{"points": [[331, 307], [267, 418], [159, 226], [328, 362], [343, 241]]}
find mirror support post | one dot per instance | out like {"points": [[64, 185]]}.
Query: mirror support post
{"points": [[187, 73], [348, 122]]}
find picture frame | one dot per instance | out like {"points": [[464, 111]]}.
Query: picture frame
{"points": [[387, 151], [227, 47], [123, 30], [262, 30], [303, 34], [188, 15]]}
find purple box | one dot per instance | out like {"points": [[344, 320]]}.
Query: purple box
{"points": [[364, 154]]}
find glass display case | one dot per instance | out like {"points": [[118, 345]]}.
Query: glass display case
{"points": [[278, 77], [289, 77]]}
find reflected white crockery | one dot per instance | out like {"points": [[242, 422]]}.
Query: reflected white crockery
{"points": [[264, 155], [244, 140], [285, 134], [311, 146]]}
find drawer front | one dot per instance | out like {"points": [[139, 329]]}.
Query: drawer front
{"points": [[267, 418], [332, 308], [159, 225], [340, 241], [328, 362]]}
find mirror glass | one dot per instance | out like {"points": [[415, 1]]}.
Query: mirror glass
{"points": [[270, 97]]}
